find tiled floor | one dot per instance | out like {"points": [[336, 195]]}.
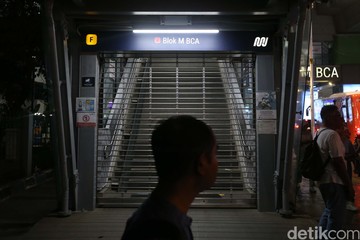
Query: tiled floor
{"points": [[108, 223], [312, 204]]}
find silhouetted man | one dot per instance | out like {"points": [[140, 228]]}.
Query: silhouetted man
{"points": [[184, 150]]}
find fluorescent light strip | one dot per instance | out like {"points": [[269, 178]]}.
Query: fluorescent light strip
{"points": [[176, 13], [175, 31]]}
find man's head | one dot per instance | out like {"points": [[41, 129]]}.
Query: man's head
{"points": [[331, 117], [179, 145]]}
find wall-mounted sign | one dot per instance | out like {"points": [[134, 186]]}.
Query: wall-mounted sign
{"points": [[266, 105], [91, 39], [223, 41], [261, 42], [85, 104], [86, 119], [86, 112], [266, 126], [266, 112], [327, 72], [88, 81]]}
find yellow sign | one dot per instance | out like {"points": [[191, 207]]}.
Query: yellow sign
{"points": [[91, 39]]}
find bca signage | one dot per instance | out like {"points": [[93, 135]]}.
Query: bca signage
{"points": [[327, 72]]}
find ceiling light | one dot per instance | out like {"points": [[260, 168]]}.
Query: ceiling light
{"points": [[176, 13], [176, 31]]}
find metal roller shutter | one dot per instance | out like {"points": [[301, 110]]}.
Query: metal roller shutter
{"points": [[137, 92]]}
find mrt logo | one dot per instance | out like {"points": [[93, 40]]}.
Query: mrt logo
{"points": [[91, 39]]}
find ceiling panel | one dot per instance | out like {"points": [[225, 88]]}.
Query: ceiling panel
{"points": [[345, 14]]}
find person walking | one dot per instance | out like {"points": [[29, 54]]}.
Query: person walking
{"points": [[351, 157], [184, 150], [334, 184]]}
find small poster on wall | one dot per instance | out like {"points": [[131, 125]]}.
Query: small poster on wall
{"points": [[266, 105], [85, 104], [266, 126], [86, 119], [86, 112], [266, 112]]}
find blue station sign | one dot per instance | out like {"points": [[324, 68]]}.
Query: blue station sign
{"points": [[223, 41]]}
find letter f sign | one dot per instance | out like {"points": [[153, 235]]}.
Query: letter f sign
{"points": [[91, 39]]}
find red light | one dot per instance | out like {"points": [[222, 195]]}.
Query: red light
{"points": [[297, 125], [358, 131]]}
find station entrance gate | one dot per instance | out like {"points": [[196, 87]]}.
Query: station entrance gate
{"points": [[136, 91]]}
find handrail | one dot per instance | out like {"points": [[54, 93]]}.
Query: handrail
{"points": [[236, 102], [134, 130], [119, 108]]}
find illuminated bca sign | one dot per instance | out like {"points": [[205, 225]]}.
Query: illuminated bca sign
{"points": [[327, 72]]}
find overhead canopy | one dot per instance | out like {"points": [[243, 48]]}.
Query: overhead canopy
{"points": [[225, 15]]}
